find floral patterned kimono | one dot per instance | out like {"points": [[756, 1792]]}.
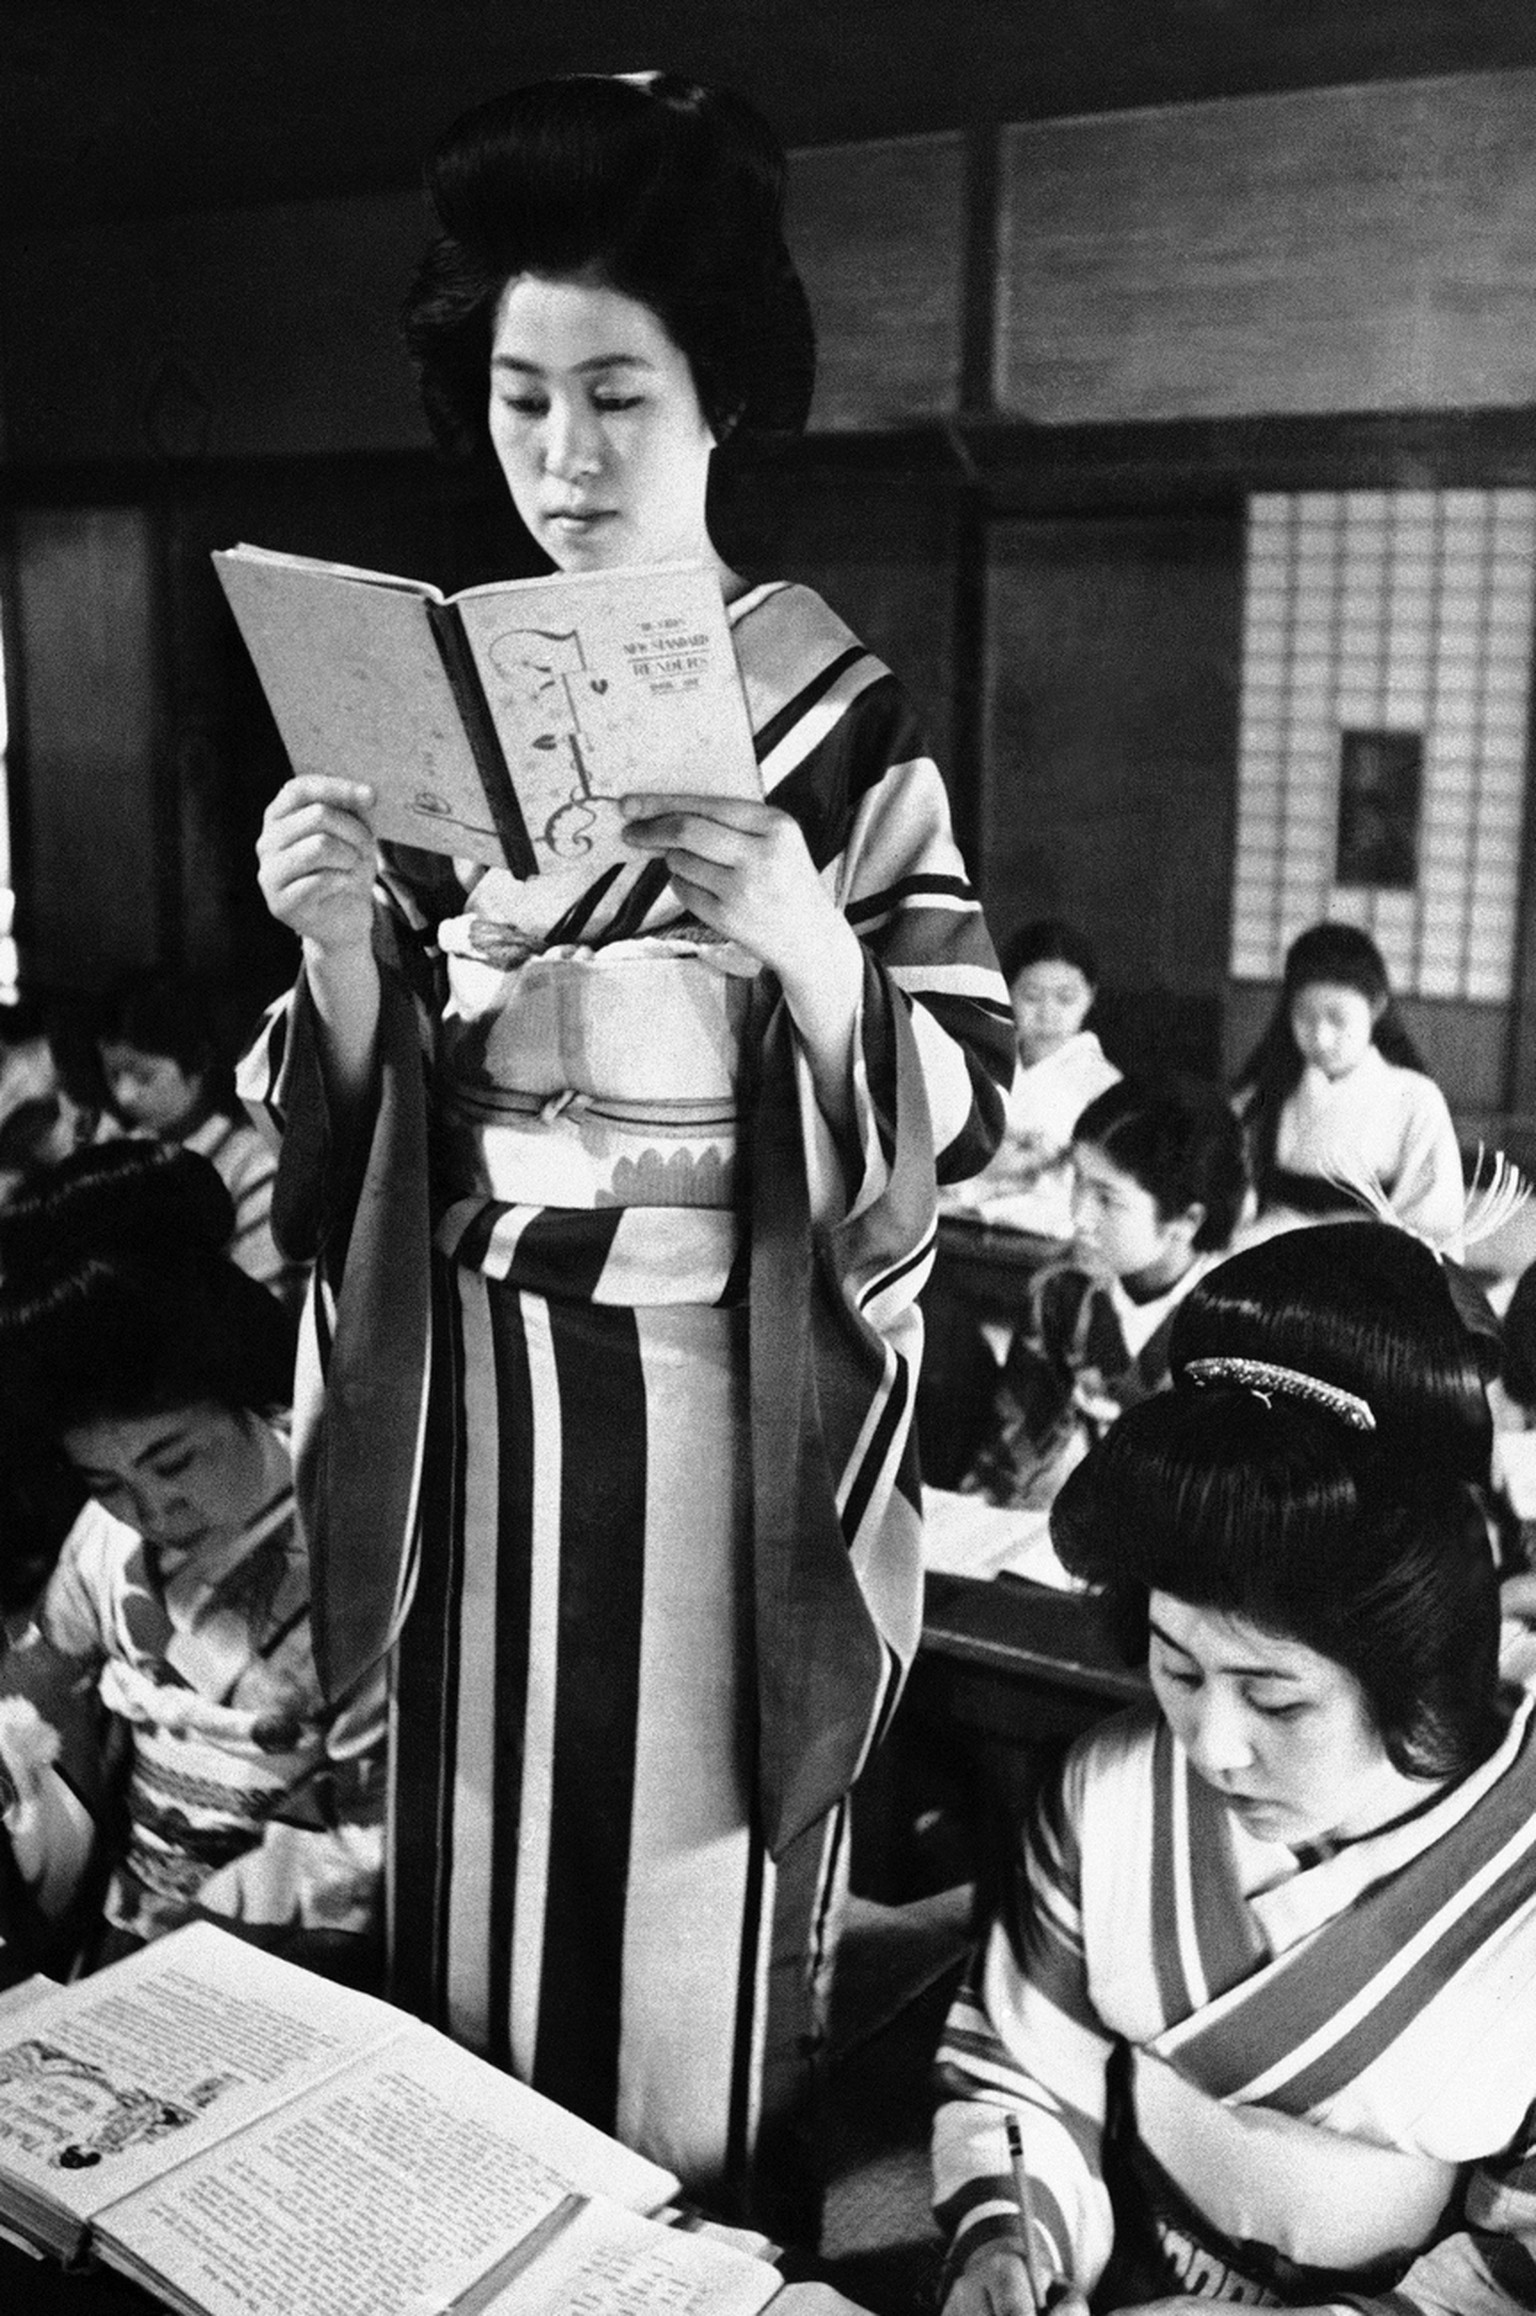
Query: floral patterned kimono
{"points": [[165, 1755], [628, 1467], [1247, 2075]]}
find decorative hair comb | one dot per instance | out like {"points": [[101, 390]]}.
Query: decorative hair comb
{"points": [[1269, 1381], [1487, 1205]]}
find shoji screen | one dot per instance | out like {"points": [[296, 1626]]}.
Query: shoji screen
{"points": [[1386, 680]]}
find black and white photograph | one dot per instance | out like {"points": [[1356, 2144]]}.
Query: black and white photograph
{"points": [[767, 1131]]}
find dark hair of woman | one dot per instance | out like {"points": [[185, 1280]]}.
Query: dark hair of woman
{"points": [[1518, 1369], [1178, 1138], [1347, 958], [168, 1017], [1367, 1307], [1048, 941], [116, 1297], [40, 1496], [667, 192], [1267, 1510]]}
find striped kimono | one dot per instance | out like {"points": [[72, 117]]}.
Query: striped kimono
{"points": [[1249, 2077], [628, 1465], [246, 1167]]}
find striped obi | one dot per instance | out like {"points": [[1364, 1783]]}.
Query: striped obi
{"points": [[586, 1132]]}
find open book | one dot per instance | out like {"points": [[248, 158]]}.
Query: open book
{"points": [[246, 2139], [501, 724]]}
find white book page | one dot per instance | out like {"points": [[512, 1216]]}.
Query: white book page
{"points": [[606, 2262], [605, 684], [249, 554], [106, 2083], [388, 2194], [967, 1536], [357, 687]]}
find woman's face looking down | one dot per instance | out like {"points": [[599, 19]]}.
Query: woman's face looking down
{"points": [[596, 423], [1283, 1734]]}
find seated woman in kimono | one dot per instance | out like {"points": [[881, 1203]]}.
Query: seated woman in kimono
{"points": [[1262, 2005], [165, 1754], [1159, 1185]]}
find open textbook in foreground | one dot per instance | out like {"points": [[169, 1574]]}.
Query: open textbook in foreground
{"points": [[504, 723], [243, 2138]]}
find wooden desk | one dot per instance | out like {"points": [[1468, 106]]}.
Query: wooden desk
{"points": [[1006, 1676], [1018, 1665], [987, 1267]]}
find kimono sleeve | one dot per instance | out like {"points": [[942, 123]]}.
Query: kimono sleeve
{"points": [[59, 1761], [322, 1158], [904, 890], [1023, 2038]]}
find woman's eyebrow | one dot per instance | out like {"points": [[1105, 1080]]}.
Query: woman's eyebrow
{"points": [[583, 368], [169, 1456], [1243, 1672]]}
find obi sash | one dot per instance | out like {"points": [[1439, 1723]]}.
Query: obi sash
{"points": [[585, 1079], [1248, 2204], [585, 1135]]}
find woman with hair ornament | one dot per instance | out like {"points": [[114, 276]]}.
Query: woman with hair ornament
{"points": [[165, 1752], [1261, 2000], [605, 1402]]}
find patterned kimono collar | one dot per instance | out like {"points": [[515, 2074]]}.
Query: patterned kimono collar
{"points": [[1362, 1941]]}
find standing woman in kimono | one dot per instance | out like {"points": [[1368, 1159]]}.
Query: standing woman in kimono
{"points": [[605, 1396], [1263, 2002]]}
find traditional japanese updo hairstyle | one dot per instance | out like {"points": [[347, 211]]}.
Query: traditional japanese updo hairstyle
{"points": [[1367, 1307], [117, 1298], [670, 193], [1313, 1472]]}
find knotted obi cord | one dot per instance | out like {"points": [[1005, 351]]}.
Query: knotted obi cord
{"points": [[586, 1121]]}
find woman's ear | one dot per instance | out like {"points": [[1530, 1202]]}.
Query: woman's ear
{"points": [[1189, 1224]]}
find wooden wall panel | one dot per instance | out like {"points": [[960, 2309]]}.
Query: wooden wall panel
{"points": [[1113, 664], [880, 545], [95, 898], [271, 332], [878, 232], [1338, 249], [260, 332]]}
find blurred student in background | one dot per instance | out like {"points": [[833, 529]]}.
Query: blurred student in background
{"points": [[52, 1099], [1334, 1099], [1052, 978], [166, 1078], [164, 1751], [1158, 1186]]}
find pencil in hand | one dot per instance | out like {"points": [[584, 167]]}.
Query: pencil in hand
{"points": [[1026, 2206]]}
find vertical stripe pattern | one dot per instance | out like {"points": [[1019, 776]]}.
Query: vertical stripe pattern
{"points": [[608, 1924]]}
